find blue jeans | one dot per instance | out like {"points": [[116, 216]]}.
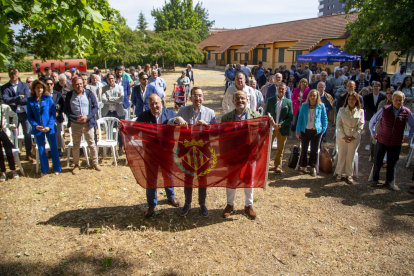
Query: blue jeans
{"points": [[44, 162], [114, 114], [152, 196]]}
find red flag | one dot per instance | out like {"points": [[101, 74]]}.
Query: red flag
{"points": [[232, 155]]}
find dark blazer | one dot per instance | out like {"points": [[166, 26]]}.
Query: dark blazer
{"points": [[127, 92], [188, 75], [286, 114], [366, 83], [262, 80], [45, 116], [369, 106], [138, 102], [329, 87], [341, 101], [147, 117], [59, 105], [93, 107], [10, 97]]}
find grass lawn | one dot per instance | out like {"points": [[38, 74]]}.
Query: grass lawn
{"points": [[93, 223]]}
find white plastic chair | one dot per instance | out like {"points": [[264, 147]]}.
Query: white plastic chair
{"points": [[111, 140], [16, 152], [83, 145], [20, 137]]}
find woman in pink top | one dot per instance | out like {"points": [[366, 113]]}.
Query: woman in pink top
{"points": [[299, 96]]}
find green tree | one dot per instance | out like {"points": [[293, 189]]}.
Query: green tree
{"points": [[205, 23], [142, 23], [175, 46], [53, 28], [176, 14], [381, 24]]}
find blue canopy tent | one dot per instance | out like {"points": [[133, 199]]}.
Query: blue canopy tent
{"points": [[327, 53]]}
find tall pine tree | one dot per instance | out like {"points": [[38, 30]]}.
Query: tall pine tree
{"points": [[142, 23]]}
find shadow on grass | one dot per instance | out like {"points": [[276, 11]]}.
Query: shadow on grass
{"points": [[132, 218], [76, 264]]}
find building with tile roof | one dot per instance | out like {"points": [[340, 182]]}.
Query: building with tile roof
{"points": [[275, 44]]}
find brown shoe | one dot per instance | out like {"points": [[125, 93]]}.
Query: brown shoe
{"points": [[228, 211], [97, 167], [75, 170], [29, 158], [250, 212], [150, 212], [174, 202]]}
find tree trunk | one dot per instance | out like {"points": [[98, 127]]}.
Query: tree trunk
{"points": [[162, 62], [105, 66]]}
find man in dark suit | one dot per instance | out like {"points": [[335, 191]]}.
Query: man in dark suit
{"points": [[59, 105], [263, 79], [372, 100], [280, 109], [157, 115], [15, 94], [329, 87], [140, 94], [350, 87]]}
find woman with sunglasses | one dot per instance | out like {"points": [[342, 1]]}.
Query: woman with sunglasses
{"points": [[388, 99], [41, 114], [385, 83]]}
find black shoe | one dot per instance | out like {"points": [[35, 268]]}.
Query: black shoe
{"points": [[185, 209], [60, 153], [391, 186], [204, 211], [150, 212], [374, 183]]}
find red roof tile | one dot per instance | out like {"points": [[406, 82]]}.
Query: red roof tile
{"points": [[307, 33]]}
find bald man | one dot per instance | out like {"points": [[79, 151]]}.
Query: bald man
{"points": [[157, 115]]}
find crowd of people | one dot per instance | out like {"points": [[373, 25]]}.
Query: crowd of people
{"points": [[300, 104]]}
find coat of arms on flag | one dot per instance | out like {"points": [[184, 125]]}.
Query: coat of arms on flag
{"points": [[196, 156]]}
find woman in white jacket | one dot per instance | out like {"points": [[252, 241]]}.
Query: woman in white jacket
{"points": [[5, 140], [349, 125]]}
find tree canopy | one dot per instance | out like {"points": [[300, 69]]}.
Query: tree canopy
{"points": [[381, 23], [180, 15], [54, 28]]}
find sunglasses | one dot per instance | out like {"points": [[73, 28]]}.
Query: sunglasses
{"points": [[145, 79], [49, 84]]}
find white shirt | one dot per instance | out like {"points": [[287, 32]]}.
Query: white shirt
{"points": [[311, 119], [396, 77], [143, 95], [228, 104], [246, 70], [278, 109], [158, 118], [112, 107], [375, 98]]}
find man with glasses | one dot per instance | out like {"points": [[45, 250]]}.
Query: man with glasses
{"points": [[15, 94], [63, 86], [29, 81], [240, 85], [141, 92], [81, 107], [195, 114], [59, 105], [328, 86], [112, 98], [272, 90]]}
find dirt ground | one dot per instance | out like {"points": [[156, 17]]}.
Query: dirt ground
{"points": [[93, 223]]}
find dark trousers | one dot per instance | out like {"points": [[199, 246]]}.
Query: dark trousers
{"points": [[202, 192], [310, 136], [393, 154], [7, 146], [27, 128]]}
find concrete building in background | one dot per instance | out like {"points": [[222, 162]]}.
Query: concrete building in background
{"points": [[330, 7]]}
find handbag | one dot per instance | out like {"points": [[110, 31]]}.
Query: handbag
{"points": [[325, 161], [294, 157]]}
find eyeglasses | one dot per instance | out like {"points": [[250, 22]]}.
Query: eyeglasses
{"points": [[50, 84], [29, 81], [144, 79]]}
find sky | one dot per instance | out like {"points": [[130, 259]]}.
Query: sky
{"points": [[228, 13]]}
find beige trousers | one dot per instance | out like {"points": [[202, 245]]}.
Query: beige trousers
{"points": [[346, 153], [77, 129], [281, 141]]}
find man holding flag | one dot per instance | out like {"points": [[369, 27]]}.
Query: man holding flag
{"points": [[240, 113], [200, 115]]}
